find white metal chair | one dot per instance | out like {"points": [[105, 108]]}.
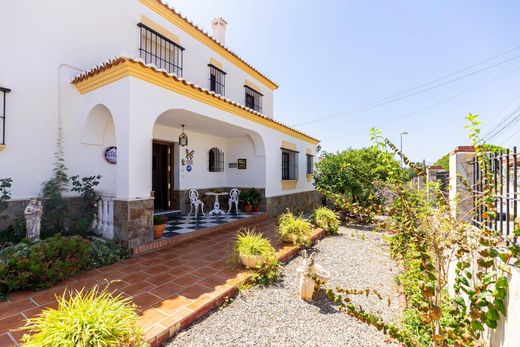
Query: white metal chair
{"points": [[195, 202], [233, 199]]}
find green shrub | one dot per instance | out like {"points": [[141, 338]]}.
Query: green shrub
{"points": [[30, 265], [294, 229], [14, 232], [249, 242], [103, 253], [326, 219], [85, 319]]}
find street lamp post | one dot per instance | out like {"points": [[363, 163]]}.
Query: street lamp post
{"points": [[401, 149]]}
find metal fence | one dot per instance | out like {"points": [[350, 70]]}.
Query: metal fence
{"points": [[502, 169]]}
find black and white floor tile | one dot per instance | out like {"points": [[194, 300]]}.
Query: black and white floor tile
{"points": [[188, 224]]}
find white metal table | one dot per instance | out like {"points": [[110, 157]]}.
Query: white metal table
{"points": [[216, 205]]}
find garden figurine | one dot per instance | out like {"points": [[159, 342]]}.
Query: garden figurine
{"points": [[33, 215]]}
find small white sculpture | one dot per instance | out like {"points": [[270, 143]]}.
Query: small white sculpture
{"points": [[309, 271], [307, 283], [33, 215]]}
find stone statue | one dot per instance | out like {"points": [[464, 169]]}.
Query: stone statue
{"points": [[33, 215], [311, 276], [307, 283]]}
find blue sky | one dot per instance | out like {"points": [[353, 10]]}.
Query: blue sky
{"points": [[331, 56]]}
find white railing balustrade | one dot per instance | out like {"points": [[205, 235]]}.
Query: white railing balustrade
{"points": [[105, 215]]}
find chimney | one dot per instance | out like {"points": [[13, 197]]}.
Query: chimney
{"points": [[218, 25]]}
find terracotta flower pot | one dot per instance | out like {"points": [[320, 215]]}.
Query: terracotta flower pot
{"points": [[158, 231], [252, 260], [248, 208], [256, 208]]}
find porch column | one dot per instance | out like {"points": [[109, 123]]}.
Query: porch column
{"points": [[133, 206], [461, 201]]}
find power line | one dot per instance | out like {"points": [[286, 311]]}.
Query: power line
{"points": [[430, 106], [505, 124], [510, 137], [500, 121], [400, 96], [501, 125]]}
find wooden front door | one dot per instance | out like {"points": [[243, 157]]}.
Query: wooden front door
{"points": [[162, 175]]}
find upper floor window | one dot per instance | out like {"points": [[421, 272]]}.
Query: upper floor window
{"points": [[310, 164], [157, 49], [253, 99], [216, 160], [217, 82], [289, 164]]}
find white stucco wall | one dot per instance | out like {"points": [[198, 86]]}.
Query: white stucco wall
{"points": [[70, 36]]}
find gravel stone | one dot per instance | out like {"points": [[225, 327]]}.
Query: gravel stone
{"points": [[275, 316]]}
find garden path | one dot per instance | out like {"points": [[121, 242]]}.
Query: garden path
{"points": [[275, 316]]}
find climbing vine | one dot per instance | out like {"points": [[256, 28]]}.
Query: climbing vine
{"points": [[430, 242]]}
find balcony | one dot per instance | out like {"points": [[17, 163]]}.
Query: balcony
{"points": [[157, 49]]}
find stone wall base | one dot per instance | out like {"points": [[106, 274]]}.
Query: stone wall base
{"points": [[303, 202], [15, 208], [133, 222]]}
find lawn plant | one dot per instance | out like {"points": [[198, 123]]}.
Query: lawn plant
{"points": [[95, 318]]}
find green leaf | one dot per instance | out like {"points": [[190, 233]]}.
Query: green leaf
{"points": [[499, 304], [502, 282], [460, 301], [492, 314], [476, 325]]}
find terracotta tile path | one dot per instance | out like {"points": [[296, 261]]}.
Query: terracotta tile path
{"points": [[172, 286]]}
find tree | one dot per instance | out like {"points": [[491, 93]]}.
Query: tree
{"points": [[354, 173]]}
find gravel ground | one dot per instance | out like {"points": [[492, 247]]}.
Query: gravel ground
{"points": [[275, 316]]}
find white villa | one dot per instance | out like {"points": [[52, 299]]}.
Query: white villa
{"points": [[124, 79]]}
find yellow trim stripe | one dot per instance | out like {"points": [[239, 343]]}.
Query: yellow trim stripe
{"points": [[181, 23], [160, 29], [289, 145], [216, 63], [134, 69], [289, 184]]}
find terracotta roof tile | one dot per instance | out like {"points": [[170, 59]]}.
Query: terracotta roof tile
{"points": [[122, 58]]}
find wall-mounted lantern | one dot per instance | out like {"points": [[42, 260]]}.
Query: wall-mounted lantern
{"points": [[4, 91], [318, 148], [183, 138]]}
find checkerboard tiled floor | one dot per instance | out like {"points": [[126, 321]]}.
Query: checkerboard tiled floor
{"points": [[187, 224]]}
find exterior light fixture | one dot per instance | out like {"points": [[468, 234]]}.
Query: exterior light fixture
{"points": [[318, 148], [183, 138]]}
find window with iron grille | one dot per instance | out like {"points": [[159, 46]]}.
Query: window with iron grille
{"points": [[289, 165], [253, 99], [216, 160], [310, 164], [157, 49], [217, 80]]}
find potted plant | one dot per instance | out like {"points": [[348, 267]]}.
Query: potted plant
{"points": [[251, 199], [294, 229], [159, 223], [252, 248]]}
